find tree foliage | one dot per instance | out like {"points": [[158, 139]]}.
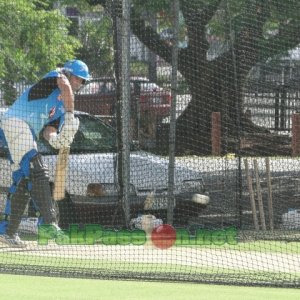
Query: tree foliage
{"points": [[95, 34], [96, 38], [34, 39]]}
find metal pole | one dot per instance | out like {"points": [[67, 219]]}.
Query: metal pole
{"points": [[122, 71], [125, 92], [172, 135], [238, 119]]}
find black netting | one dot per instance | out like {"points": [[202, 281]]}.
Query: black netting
{"points": [[188, 139]]}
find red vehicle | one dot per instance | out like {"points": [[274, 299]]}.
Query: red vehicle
{"points": [[98, 97]]}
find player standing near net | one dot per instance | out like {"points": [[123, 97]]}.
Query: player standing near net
{"points": [[47, 107]]}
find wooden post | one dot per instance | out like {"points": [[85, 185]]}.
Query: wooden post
{"points": [[251, 194], [259, 196], [270, 197], [216, 133], [296, 134]]}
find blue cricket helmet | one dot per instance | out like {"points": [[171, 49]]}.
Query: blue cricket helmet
{"points": [[77, 68]]}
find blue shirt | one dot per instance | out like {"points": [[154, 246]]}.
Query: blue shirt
{"points": [[39, 105]]}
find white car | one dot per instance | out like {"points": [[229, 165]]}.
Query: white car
{"points": [[92, 190]]}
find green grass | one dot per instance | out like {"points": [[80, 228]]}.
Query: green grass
{"points": [[124, 267], [265, 246], [71, 262], [259, 246], [48, 288], [97, 267], [111, 266]]}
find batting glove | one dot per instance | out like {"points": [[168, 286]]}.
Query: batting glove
{"points": [[66, 135]]}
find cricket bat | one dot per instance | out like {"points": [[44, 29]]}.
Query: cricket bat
{"points": [[61, 173]]}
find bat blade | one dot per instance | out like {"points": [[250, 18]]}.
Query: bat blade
{"points": [[60, 174]]}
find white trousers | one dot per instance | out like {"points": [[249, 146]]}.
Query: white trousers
{"points": [[19, 138]]}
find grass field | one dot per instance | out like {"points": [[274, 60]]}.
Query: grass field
{"points": [[255, 262], [49, 288]]}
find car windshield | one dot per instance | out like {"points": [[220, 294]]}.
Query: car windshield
{"points": [[89, 88], [101, 87], [150, 87], [107, 87], [93, 136]]}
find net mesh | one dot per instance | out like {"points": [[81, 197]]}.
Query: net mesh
{"points": [[185, 165]]}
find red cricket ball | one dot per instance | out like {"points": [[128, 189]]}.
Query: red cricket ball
{"points": [[163, 236]]}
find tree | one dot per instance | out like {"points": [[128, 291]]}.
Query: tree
{"points": [[96, 38], [252, 30], [34, 39]]}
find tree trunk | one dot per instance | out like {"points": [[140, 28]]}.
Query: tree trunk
{"points": [[212, 89]]}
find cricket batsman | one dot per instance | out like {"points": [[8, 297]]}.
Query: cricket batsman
{"points": [[46, 108]]}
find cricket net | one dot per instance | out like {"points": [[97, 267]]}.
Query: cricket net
{"points": [[185, 166]]}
